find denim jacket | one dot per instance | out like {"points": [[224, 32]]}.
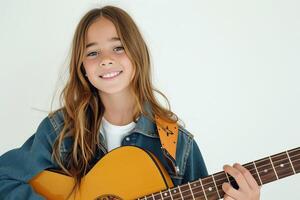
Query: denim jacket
{"points": [[20, 165]]}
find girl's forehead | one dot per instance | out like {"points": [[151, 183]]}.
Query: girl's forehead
{"points": [[113, 39], [101, 30]]}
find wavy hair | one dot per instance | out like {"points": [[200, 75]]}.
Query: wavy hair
{"points": [[81, 104]]}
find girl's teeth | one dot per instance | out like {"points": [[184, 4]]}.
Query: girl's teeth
{"points": [[111, 74]]}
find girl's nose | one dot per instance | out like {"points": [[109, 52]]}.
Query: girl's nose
{"points": [[106, 62]]}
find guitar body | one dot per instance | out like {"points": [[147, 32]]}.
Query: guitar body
{"points": [[131, 173], [125, 173]]}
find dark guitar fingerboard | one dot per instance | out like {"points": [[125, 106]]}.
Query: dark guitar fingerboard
{"points": [[265, 170]]}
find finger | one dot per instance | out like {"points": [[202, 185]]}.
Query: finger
{"points": [[248, 176], [227, 197], [238, 176], [230, 191]]}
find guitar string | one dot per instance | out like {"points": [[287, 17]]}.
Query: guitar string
{"points": [[278, 155], [209, 183], [268, 164], [225, 179], [222, 179], [197, 192], [204, 194]]}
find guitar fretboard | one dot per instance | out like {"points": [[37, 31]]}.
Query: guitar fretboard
{"points": [[265, 170]]}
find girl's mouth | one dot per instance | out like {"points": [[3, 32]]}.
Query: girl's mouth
{"points": [[111, 75]]}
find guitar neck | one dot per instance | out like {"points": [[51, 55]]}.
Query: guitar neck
{"points": [[265, 170]]}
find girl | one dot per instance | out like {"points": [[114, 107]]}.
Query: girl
{"points": [[108, 102]]}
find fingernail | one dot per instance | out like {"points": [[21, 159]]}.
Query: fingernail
{"points": [[224, 166]]}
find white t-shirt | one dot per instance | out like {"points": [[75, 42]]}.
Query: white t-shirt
{"points": [[114, 134]]}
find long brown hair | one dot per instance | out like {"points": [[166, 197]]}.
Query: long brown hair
{"points": [[81, 105]]}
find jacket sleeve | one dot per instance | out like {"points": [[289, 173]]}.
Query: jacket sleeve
{"points": [[195, 166], [19, 165]]}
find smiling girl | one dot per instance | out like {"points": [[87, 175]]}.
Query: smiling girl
{"points": [[108, 102]]}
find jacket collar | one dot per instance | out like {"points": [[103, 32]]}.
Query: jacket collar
{"points": [[145, 125]]}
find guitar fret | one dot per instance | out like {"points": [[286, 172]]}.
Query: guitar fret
{"points": [[153, 197], [196, 189], [209, 188], [157, 196], [282, 165], [191, 191], [145, 198], [185, 191], [180, 192], [295, 158], [257, 173], [203, 189], [216, 186], [175, 193], [290, 161], [166, 194], [273, 167], [170, 194], [265, 171], [161, 195], [220, 178]]}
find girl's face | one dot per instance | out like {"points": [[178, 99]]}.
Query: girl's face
{"points": [[107, 66]]}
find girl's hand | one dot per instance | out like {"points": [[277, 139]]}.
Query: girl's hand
{"points": [[248, 188]]}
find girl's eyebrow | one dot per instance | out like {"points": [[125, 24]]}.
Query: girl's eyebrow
{"points": [[111, 40]]}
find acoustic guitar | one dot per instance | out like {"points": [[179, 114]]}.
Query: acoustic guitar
{"points": [[130, 172]]}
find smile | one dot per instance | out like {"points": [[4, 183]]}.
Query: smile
{"points": [[111, 75]]}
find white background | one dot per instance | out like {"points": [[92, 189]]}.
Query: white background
{"points": [[229, 68]]}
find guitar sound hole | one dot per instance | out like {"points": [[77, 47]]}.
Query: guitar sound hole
{"points": [[108, 197]]}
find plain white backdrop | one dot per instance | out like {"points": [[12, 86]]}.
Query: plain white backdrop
{"points": [[229, 68]]}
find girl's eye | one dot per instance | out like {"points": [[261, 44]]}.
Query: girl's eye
{"points": [[119, 48], [92, 54]]}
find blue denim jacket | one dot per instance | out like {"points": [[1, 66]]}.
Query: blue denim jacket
{"points": [[19, 165]]}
